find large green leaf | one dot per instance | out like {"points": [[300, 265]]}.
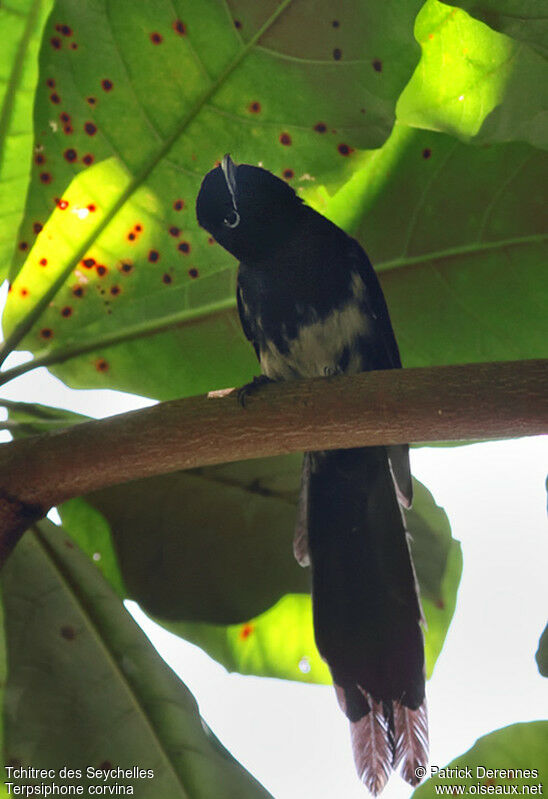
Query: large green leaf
{"points": [[185, 540], [459, 236], [525, 20], [21, 23], [120, 255], [474, 82], [86, 687], [515, 749]]}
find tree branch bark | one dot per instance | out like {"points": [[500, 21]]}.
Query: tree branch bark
{"points": [[468, 402]]}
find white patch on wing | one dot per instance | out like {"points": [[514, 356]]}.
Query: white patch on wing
{"points": [[317, 350]]}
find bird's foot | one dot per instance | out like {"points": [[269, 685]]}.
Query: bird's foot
{"points": [[250, 388]]}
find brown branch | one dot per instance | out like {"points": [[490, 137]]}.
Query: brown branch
{"points": [[470, 402]]}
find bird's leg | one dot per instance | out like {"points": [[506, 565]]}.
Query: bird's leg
{"points": [[250, 388]]}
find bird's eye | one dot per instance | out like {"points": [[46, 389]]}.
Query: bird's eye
{"points": [[232, 220]]}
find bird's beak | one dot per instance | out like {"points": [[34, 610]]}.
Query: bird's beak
{"points": [[229, 171]]}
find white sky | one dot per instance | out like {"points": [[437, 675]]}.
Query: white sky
{"points": [[293, 737]]}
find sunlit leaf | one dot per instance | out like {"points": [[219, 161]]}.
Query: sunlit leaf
{"points": [[525, 20], [80, 667], [194, 84], [21, 23], [474, 82], [519, 750]]}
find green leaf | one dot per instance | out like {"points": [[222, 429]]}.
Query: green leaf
{"points": [[21, 23], [458, 234], [32, 418], [542, 653], [230, 525], [89, 529], [193, 88], [520, 747], [80, 666], [185, 540], [525, 20], [473, 82]]}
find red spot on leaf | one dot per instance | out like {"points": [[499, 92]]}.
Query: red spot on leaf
{"points": [[92, 208], [37, 227], [107, 85], [69, 633], [179, 205], [46, 332], [320, 127], [237, 24], [62, 205], [166, 278], [427, 152], [153, 256], [377, 65], [45, 177], [66, 311], [101, 270], [115, 290], [23, 246], [337, 53], [54, 97], [254, 107], [126, 267], [174, 231], [39, 158], [55, 42], [184, 247], [156, 38], [50, 82], [90, 128], [179, 27], [345, 149], [193, 273], [101, 365], [24, 292], [87, 159], [70, 155], [43, 262], [288, 174], [78, 291], [246, 631], [91, 100], [89, 263], [285, 139]]}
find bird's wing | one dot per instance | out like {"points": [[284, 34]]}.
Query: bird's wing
{"points": [[244, 320], [387, 357]]}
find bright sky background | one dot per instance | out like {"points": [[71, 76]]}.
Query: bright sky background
{"points": [[293, 737]]}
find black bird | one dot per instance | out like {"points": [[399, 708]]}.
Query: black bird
{"points": [[311, 305]]}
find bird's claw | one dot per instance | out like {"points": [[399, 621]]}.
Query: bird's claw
{"points": [[250, 388]]}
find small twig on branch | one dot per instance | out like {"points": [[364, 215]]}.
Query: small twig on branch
{"points": [[448, 403]]}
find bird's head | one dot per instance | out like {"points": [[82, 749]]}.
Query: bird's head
{"points": [[247, 210]]}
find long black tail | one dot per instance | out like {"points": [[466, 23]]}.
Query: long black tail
{"points": [[366, 608]]}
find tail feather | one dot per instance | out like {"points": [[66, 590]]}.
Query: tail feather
{"points": [[366, 609], [411, 742]]}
